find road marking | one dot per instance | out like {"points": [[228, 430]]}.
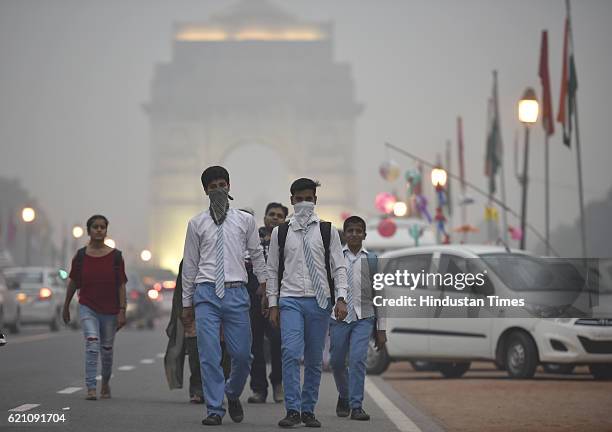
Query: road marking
{"points": [[24, 408], [161, 355], [401, 420], [69, 390], [126, 368], [147, 361]]}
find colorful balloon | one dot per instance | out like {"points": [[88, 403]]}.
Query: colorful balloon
{"points": [[384, 202], [389, 170], [386, 228]]}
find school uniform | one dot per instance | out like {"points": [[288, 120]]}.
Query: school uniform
{"points": [[350, 337], [214, 282], [304, 304]]}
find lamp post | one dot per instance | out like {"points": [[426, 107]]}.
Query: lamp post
{"points": [[438, 180], [77, 233], [528, 114], [28, 215]]}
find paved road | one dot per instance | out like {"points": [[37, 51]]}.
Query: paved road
{"points": [[36, 365]]}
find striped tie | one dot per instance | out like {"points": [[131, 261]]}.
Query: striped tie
{"points": [[350, 315], [320, 294], [220, 275]]}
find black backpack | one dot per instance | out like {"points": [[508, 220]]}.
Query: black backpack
{"points": [[325, 228], [78, 266]]}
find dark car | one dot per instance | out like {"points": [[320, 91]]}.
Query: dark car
{"points": [[142, 306]]}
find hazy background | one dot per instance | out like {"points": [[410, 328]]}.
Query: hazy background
{"points": [[74, 74]]}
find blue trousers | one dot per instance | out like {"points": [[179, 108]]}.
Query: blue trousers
{"points": [[350, 340], [99, 330], [233, 312], [303, 328]]}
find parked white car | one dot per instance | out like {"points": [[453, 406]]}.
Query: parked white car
{"points": [[40, 292], [9, 308], [517, 344]]}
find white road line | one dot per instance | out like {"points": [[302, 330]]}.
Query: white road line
{"points": [[24, 408], [34, 338], [69, 390], [161, 355], [126, 368], [401, 420], [147, 361]]}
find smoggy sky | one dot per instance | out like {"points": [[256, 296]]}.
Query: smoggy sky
{"points": [[74, 75]]}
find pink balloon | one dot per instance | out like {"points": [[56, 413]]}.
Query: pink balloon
{"points": [[515, 233], [384, 202], [344, 215], [387, 227]]}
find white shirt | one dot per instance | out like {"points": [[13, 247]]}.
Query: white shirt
{"points": [[296, 278], [199, 256], [359, 278]]}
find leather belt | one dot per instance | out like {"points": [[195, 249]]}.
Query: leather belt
{"points": [[234, 284]]}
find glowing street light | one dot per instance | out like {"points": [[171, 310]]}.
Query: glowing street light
{"points": [[77, 232], [146, 255], [438, 177], [400, 209], [28, 214], [528, 107], [109, 242]]}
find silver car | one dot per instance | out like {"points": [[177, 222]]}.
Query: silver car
{"points": [[9, 308], [40, 292]]}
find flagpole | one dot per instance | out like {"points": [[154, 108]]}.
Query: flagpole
{"points": [[503, 198], [546, 193], [578, 155]]}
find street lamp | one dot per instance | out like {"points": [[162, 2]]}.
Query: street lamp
{"points": [[109, 242], [400, 209], [28, 215], [438, 177], [528, 110], [146, 255]]}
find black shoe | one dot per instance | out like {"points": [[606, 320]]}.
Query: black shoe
{"points": [[342, 408], [257, 398], [310, 420], [212, 420], [359, 414], [235, 410], [291, 419]]}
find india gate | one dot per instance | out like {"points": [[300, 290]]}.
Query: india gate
{"points": [[258, 91]]}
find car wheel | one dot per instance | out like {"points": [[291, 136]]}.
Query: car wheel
{"points": [[55, 323], [454, 369], [559, 368], [601, 371], [521, 356], [423, 365], [376, 361]]}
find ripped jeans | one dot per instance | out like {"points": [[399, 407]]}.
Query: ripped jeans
{"points": [[99, 330]]}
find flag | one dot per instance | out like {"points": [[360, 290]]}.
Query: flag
{"points": [[547, 112], [569, 85], [493, 156]]}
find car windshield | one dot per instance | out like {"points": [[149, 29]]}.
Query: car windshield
{"points": [[17, 279], [526, 273]]}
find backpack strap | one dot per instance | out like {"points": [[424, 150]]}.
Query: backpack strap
{"points": [[325, 228], [372, 269], [283, 229], [80, 257]]}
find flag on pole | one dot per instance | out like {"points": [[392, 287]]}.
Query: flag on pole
{"points": [[569, 85], [547, 111], [493, 156]]}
